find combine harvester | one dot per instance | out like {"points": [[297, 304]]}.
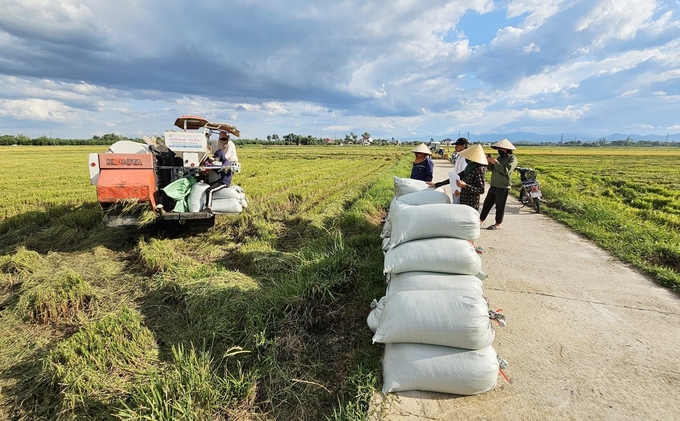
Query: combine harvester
{"points": [[131, 178]]}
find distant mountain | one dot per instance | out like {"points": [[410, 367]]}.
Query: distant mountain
{"points": [[550, 138], [652, 137]]}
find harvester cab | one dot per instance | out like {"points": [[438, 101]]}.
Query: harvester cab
{"points": [[142, 183], [438, 151]]}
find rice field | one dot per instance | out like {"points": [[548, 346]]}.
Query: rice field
{"points": [[243, 310], [264, 316]]}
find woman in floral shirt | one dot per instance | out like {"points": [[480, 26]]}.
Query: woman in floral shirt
{"points": [[471, 180]]}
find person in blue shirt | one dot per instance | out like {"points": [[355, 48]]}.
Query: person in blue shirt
{"points": [[423, 167]]}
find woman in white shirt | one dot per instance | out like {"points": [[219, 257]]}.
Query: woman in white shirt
{"points": [[228, 146]]}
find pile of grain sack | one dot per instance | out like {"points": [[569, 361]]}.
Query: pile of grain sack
{"points": [[228, 200], [434, 319]]}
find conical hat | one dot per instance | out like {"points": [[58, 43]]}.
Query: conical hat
{"points": [[474, 153], [503, 144], [422, 148]]}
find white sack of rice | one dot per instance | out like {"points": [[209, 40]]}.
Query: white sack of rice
{"points": [[436, 220], [404, 186], [395, 205], [231, 192], [446, 318], [425, 197], [445, 255], [226, 206], [418, 281], [385, 244], [387, 228], [197, 197], [373, 319], [440, 369]]}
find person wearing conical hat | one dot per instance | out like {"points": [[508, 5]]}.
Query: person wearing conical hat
{"points": [[501, 169], [471, 179], [423, 166]]}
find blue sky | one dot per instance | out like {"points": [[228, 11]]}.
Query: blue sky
{"points": [[405, 68]]}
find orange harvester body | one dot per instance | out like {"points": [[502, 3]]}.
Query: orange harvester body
{"points": [[126, 176]]}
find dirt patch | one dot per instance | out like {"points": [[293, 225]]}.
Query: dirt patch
{"points": [[587, 336]]}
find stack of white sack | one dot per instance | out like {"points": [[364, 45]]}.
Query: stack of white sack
{"points": [[403, 186], [434, 320], [415, 363], [424, 197], [444, 255], [411, 193], [440, 369], [410, 223], [416, 281], [228, 200]]}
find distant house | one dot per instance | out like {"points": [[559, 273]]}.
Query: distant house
{"points": [[365, 141]]}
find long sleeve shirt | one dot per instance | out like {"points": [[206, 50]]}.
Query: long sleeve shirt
{"points": [[502, 170]]}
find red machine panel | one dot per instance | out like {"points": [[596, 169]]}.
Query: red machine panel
{"points": [[126, 176]]}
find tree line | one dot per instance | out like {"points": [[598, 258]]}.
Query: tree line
{"points": [[296, 139], [22, 140], [602, 143], [110, 138]]}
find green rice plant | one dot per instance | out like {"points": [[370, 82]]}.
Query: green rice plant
{"points": [[65, 297], [661, 219], [361, 385], [22, 262], [95, 366], [327, 268], [83, 218], [7, 282], [157, 256], [219, 306], [190, 388], [261, 259]]}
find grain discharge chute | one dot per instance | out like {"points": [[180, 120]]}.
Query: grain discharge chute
{"points": [[164, 182]]}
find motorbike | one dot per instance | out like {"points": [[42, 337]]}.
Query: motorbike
{"points": [[530, 194]]}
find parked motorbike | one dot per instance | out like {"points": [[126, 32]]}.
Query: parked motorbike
{"points": [[530, 194]]}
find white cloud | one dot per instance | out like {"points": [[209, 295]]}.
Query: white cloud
{"points": [[629, 93], [616, 19], [37, 109], [531, 48], [383, 67], [538, 10], [571, 113]]}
